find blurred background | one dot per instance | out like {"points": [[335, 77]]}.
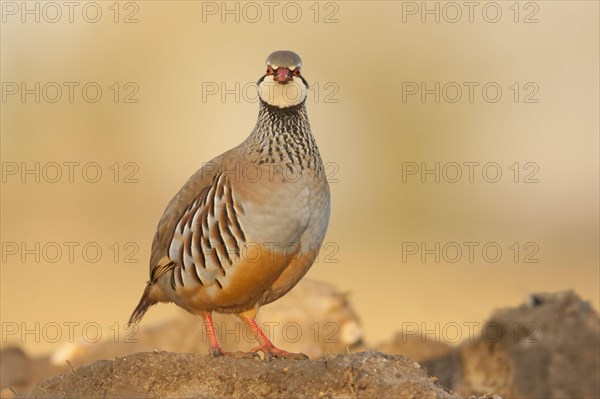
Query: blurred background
{"points": [[461, 143]]}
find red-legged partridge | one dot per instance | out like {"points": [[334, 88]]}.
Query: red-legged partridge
{"points": [[247, 226]]}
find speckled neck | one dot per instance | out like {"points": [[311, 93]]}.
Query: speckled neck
{"points": [[283, 135]]}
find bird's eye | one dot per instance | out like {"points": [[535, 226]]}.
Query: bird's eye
{"points": [[296, 71], [270, 70]]}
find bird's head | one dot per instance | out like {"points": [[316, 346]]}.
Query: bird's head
{"points": [[282, 85]]}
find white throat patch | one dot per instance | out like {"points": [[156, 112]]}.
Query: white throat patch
{"points": [[282, 95]]}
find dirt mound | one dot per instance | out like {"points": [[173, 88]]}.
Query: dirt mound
{"points": [[176, 375]]}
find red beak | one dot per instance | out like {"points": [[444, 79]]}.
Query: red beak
{"points": [[283, 75]]}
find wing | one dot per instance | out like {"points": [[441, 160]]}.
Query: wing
{"points": [[200, 234]]}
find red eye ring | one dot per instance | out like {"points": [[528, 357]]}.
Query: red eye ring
{"points": [[296, 72], [270, 70]]}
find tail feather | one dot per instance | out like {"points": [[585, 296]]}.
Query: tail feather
{"points": [[148, 299]]}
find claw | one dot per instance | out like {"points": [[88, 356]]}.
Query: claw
{"points": [[216, 352], [270, 352], [265, 345]]}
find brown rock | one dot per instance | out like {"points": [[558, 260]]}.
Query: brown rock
{"points": [[548, 348], [163, 374], [15, 368], [19, 372]]}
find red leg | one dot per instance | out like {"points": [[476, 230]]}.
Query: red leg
{"points": [[215, 348], [265, 345]]}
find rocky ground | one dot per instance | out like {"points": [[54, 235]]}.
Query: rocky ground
{"points": [[548, 347], [183, 375]]}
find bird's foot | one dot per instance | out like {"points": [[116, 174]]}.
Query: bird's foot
{"points": [[217, 352], [270, 351]]}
